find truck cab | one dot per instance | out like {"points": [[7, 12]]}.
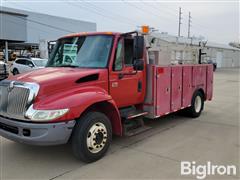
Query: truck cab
{"points": [[95, 85]]}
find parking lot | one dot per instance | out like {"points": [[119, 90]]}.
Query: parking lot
{"points": [[156, 153]]}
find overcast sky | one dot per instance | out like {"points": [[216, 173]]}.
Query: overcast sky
{"points": [[217, 21]]}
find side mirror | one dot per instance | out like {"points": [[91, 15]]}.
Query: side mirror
{"points": [[138, 65], [138, 47], [31, 65]]}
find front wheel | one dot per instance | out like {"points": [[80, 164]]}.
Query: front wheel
{"points": [[15, 71], [91, 137], [197, 105]]}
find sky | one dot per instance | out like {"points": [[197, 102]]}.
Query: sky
{"points": [[215, 20]]}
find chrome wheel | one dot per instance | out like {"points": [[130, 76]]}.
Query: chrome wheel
{"points": [[97, 137], [198, 104]]}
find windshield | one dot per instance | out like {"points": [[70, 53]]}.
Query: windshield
{"points": [[83, 51], [40, 63]]}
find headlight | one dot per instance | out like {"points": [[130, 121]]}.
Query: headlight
{"points": [[44, 115]]}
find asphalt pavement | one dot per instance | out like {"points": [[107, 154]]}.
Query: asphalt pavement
{"points": [[156, 153]]}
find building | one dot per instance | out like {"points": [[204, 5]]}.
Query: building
{"points": [[223, 55], [180, 49], [26, 30]]}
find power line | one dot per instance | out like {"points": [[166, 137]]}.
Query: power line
{"points": [[172, 10], [48, 25], [206, 32], [144, 10], [86, 8], [32, 10], [124, 20], [156, 10], [150, 4], [104, 10], [43, 24], [31, 27]]}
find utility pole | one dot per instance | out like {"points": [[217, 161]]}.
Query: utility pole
{"points": [[189, 23], [6, 51], [179, 21]]}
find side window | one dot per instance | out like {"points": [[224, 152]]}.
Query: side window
{"points": [[20, 61], [128, 51], [118, 64], [29, 63], [24, 62]]}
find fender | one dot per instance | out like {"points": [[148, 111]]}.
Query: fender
{"points": [[78, 101], [201, 89]]}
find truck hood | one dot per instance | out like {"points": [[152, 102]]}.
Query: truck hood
{"points": [[54, 79]]}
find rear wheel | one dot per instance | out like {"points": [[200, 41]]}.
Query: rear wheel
{"points": [[214, 67], [197, 105], [91, 137], [15, 71]]}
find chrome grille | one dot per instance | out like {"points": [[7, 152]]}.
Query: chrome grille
{"points": [[14, 100], [17, 101], [3, 99]]}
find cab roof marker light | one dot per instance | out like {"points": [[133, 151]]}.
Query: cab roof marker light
{"points": [[145, 29]]}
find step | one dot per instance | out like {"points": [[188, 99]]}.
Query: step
{"points": [[131, 113], [135, 127]]}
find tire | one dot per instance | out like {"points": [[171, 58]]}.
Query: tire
{"points": [[214, 68], [197, 105], [92, 136], [15, 71]]}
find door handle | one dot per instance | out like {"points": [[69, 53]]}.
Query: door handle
{"points": [[139, 86]]}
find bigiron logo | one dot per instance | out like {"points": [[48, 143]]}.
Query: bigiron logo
{"points": [[202, 171]]}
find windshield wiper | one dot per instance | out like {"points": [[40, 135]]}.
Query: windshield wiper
{"points": [[68, 65]]}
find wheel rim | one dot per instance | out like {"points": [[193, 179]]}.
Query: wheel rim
{"points": [[96, 137], [198, 104]]}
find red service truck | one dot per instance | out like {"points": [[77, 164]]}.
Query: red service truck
{"points": [[96, 85]]}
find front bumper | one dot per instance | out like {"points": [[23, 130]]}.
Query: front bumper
{"points": [[36, 133]]}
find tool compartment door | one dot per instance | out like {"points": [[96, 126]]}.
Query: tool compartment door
{"points": [[176, 90], [187, 86], [163, 95], [209, 82], [199, 76]]}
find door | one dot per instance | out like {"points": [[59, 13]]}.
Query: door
{"points": [[163, 90], [176, 90], [187, 86], [126, 85], [29, 66], [20, 65]]}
